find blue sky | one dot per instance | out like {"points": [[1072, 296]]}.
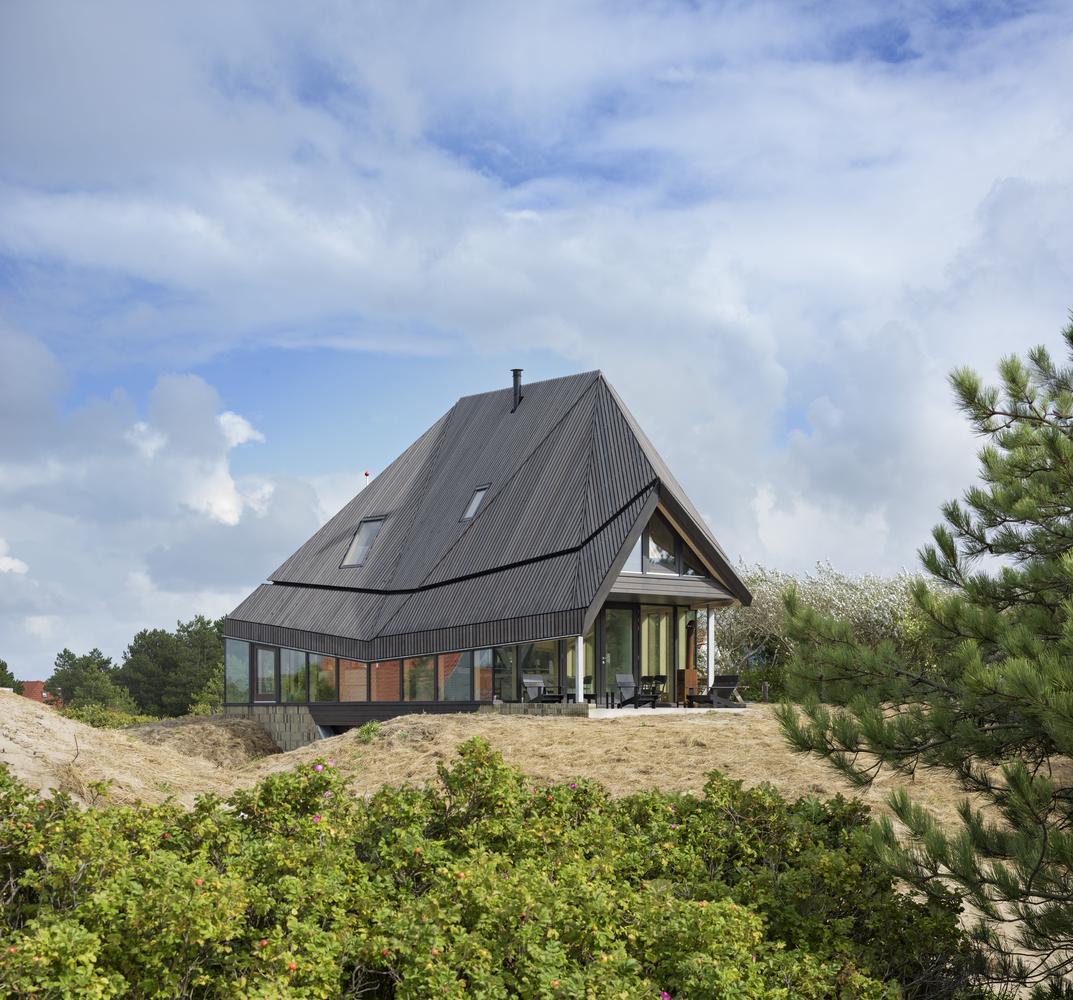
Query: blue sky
{"points": [[248, 251]]}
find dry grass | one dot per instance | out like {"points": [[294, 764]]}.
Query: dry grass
{"points": [[186, 757]]}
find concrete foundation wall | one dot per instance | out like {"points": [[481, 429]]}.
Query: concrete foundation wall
{"points": [[525, 708], [290, 726]]}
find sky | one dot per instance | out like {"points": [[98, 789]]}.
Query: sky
{"points": [[249, 251]]}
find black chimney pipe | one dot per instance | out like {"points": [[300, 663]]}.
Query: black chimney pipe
{"points": [[517, 373]]}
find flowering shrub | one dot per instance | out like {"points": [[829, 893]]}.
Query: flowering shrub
{"points": [[879, 609], [484, 886]]}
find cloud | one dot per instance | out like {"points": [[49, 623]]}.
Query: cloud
{"points": [[131, 517], [777, 227], [8, 563]]}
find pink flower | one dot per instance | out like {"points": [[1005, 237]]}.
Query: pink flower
{"points": [[664, 995], [573, 784], [318, 767], [316, 819], [674, 826], [327, 795]]}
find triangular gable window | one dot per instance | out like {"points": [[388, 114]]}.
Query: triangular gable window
{"points": [[661, 550]]}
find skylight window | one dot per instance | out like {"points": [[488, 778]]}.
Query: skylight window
{"points": [[363, 541], [475, 502]]}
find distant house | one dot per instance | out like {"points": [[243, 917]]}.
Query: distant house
{"points": [[528, 529], [35, 691]]}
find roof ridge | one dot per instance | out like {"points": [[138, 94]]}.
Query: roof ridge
{"points": [[595, 373], [487, 506]]}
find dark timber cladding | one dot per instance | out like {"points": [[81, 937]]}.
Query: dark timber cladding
{"points": [[570, 481]]}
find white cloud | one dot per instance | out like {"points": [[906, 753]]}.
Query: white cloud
{"points": [[803, 531], [776, 228], [238, 430], [8, 563]]}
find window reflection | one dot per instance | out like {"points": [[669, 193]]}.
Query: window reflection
{"points": [[418, 679], [353, 680], [292, 675], [321, 677], [661, 544]]}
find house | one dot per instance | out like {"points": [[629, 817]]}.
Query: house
{"points": [[35, 691], [528, 530]]}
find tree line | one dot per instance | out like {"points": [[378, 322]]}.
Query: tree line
{"points": [[161, 674]]}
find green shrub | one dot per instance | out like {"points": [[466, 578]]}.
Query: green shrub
{"points": [[105, 716], [483, 886], [369, 731]]}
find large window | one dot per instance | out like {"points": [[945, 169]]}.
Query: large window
{"points": [[571, 664], [264, 674], [455, 672], [353, 680], [540, 659], [661, 547], [419, 679], [386, 678], [321, 677], [505, 673], [661, 550], [482, 665], [363, 541], [656, 641], [292, 675], [236, 672]]}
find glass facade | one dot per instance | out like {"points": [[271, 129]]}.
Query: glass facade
{"points": [[540, 659], [662, 544], [505, 673], [353, 680], [386, 680], [321, 677], [292, 675], [656, 642], [236, 671], [455, 676], [589, 677], [419, 679], [661, 550], [482, 666], [628, 639], [618, 647], [264, 674]]}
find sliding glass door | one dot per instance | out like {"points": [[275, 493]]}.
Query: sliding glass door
{"points": [[619, 647]]}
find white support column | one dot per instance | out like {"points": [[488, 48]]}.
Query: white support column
{"points": [[709, 642], [579, 670]]}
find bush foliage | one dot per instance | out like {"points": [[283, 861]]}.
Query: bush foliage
{"points": [[483, 886], [106, 717], [880, 609]]}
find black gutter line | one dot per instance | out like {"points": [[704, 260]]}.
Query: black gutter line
{"points": [[482, 572]]}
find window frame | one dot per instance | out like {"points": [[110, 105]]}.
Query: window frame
{"points": [[483, 491], [680, 547], [379, 520]]}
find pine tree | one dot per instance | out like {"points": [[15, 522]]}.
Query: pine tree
{"points": [[992, 701]]}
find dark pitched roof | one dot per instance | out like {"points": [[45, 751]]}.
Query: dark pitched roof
{"points": [[571, 480]]}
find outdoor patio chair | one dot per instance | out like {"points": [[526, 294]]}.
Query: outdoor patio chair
{"points": [[720, 694], [632, 693], [534, 690]]}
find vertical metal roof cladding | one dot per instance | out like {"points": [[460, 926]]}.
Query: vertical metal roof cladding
{"points": [[570, 478]]}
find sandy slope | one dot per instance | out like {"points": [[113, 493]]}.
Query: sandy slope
{"points": [[186, 757]]}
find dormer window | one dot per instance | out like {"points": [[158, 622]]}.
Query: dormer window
{"points": [[363, 541], [474, 502]]}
